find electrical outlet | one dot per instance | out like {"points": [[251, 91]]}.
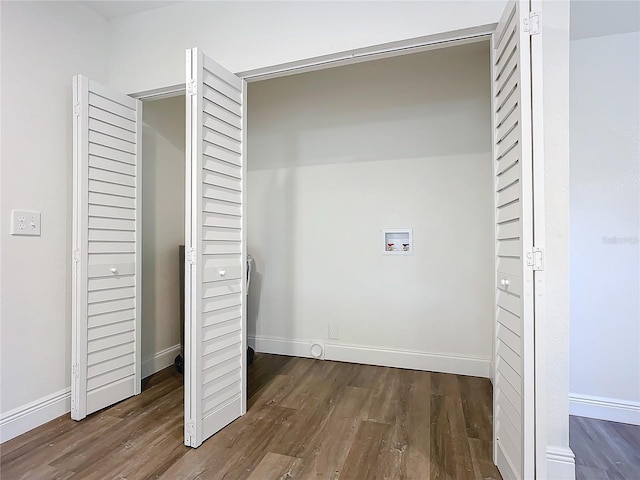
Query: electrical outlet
{"points": [[24, 222], [334, 331]]}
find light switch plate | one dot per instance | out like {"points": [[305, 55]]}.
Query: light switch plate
{"points": [[25, 222]]}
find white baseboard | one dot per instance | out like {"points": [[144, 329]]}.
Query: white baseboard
{"points": [[22, 419], [561, 463], [159, 361], [612, 409], [386, 357], [280, 346]]}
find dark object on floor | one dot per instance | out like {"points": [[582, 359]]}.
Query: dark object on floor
{"points": [[250, 354], [179, 359], [179, 364]]}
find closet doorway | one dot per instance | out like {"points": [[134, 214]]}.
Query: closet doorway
{"points": [[163, 171], [216, 243]]}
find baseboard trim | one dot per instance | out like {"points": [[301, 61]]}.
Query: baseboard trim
{"points": [[603, 408], [25, 418], [163, 359], [561, 463], [22, 419], [280, 346], [386, 357]]}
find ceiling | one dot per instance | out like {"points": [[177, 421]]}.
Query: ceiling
{"points": [[111, 9], [589, 18]]}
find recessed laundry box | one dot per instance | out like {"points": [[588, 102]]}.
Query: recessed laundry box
{"points": [[397, 241]]}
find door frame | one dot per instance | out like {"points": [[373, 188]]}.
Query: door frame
{"points": [[349, 57], [417, 45], [539, 239]]}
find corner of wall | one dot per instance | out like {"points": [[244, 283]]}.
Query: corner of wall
{"points": [[561, 463]]}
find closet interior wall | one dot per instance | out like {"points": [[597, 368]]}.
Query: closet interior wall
{"points": [[335, 156], [163, 187]]}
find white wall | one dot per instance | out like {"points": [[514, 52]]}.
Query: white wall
{"points": [[43, 45], [148, 49], [605, 226], [336, 156], [163, 184]]}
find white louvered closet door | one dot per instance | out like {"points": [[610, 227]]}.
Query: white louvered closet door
{"points": [[106, 254], [514, 355], [215, 350]]}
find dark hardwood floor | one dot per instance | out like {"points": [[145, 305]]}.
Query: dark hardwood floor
{"points": [[306, 419], [605, 450]]}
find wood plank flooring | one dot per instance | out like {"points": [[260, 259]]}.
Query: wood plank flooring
{"points": [[605, 450], [306, 419]]}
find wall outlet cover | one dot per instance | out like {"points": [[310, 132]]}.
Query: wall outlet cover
{"points": [[334, 331], [25, 222]]}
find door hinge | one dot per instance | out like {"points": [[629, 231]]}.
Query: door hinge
{"points": [[189, 428], [76, 110], [76, 256], [192, 89], [535, 258], [531, 24], [191, 256], [74, 370]]}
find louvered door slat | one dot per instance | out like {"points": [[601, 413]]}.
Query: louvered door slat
{"points": [[113, 317], [108, 104], [110, 200], [513, 376], [215, 313], [113, 154], [112, 119], [111, 176], [112, 165], [112, 130], [98, 186], [106, 320]]}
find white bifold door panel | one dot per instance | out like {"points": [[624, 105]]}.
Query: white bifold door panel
{"points": [[514, 363], [215, 278], [106, 247]]}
